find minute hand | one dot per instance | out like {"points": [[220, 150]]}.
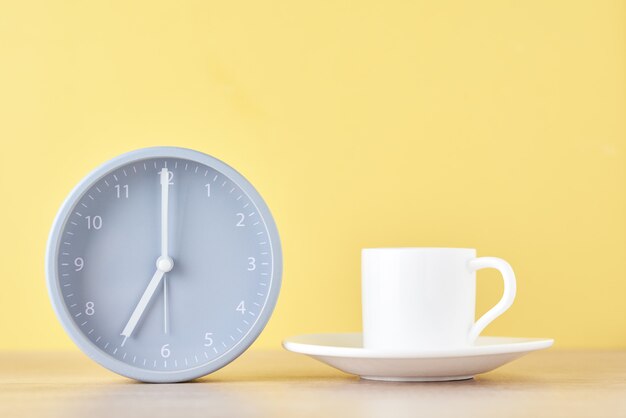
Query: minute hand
{"points": [[165, 186]]}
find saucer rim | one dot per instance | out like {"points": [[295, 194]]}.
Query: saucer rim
{"points": [[518, 345]]}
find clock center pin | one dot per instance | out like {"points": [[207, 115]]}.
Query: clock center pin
{"points": [[165, 264]]}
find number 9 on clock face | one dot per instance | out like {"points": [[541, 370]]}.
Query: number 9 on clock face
{"points": [[164, 264]]}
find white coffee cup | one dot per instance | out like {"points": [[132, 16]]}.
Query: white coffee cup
{"points": [[424, 298]]}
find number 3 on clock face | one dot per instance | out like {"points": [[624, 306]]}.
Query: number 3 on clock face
{"points": [[164, 264]]}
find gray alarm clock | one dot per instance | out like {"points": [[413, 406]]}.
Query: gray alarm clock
{"points": [[164, 264]]}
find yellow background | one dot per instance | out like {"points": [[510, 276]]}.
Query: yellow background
{"points": [[487, 124]]}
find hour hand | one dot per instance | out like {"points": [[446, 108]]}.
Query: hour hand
{"points": [[164, 265]]}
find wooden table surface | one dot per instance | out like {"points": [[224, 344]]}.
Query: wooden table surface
{"points": [[277, 383]]}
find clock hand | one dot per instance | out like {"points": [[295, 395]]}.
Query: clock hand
{"points": [[164, 265], [165, 185], [164, 262], [165, 324]]}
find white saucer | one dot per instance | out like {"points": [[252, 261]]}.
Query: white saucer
{"points": [[346, 353]]}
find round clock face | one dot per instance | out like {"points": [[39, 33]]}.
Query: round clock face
{"points": [[164, 264]]}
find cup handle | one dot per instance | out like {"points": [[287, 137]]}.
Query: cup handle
{"points": [[508, 295]]}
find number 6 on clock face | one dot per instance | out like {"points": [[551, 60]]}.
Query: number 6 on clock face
{"points": [[164, 264]]}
